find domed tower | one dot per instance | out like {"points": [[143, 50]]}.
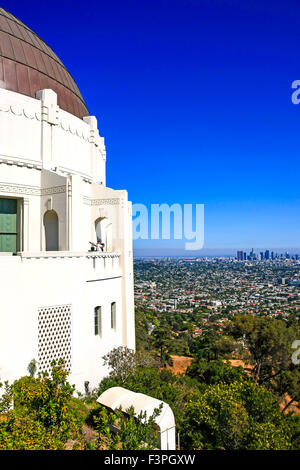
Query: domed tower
{"points": [[28, 64], [65, 238]]}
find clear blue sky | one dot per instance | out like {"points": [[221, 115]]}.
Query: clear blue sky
{"points": [[193, 98]]}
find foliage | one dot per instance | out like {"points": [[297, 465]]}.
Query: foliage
{"points": [[158, 383], [213, 372], [268, 342], [43, 416], [162, 338], [204, 346], [123, 362], [235, 416], [179, 347], [125, 431], [143, 324], [216, 405], [6, 399], [32, 366]]}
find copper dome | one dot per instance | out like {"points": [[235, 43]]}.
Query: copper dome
{"points": [[27, 65]]}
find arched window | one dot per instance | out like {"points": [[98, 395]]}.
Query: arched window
{"points": [[113, 318], [51, 230], [103, 227], [97, 321]]}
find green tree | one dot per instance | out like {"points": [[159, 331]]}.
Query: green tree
{"points": [[204, 346], [162, 336], [213, 372], [268, 342], [231, 417], [143, 321], [123, 362], [32, 366], [43, 415]]}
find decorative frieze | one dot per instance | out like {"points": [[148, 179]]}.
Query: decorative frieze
{"points": [[20, 111], [53, 190], [80, 129], [30, 190], [101, 202]]}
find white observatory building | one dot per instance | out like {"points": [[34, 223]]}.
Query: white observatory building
{"points": [[59, 298]]}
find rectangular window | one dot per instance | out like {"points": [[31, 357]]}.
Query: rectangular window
{"points": [[8, 225], [113, 315], [98, 321]]}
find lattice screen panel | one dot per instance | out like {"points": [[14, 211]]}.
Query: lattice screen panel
{"points": [[54, 336]]}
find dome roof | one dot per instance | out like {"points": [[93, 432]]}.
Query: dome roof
{"points": [[28, 64]]}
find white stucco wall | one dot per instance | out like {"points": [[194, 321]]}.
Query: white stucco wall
{"points": [[51, 160]]}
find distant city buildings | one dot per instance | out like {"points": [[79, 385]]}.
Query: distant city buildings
{"points": [[198, 291], [252, 256]]}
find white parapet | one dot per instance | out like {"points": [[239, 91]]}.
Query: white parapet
{"points": [[119, 397]]}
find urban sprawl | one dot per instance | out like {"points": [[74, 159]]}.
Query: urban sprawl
{"points": [[214, 289]]}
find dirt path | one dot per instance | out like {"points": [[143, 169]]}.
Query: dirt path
{"points": [[180, 364]]}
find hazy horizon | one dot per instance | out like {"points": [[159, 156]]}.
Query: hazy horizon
{"points": [[209, 252]]}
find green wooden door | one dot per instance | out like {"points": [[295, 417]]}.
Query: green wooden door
{"points": [[8, 225]]}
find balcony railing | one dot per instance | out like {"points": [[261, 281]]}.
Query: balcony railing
{"points": [[68, 254]]}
